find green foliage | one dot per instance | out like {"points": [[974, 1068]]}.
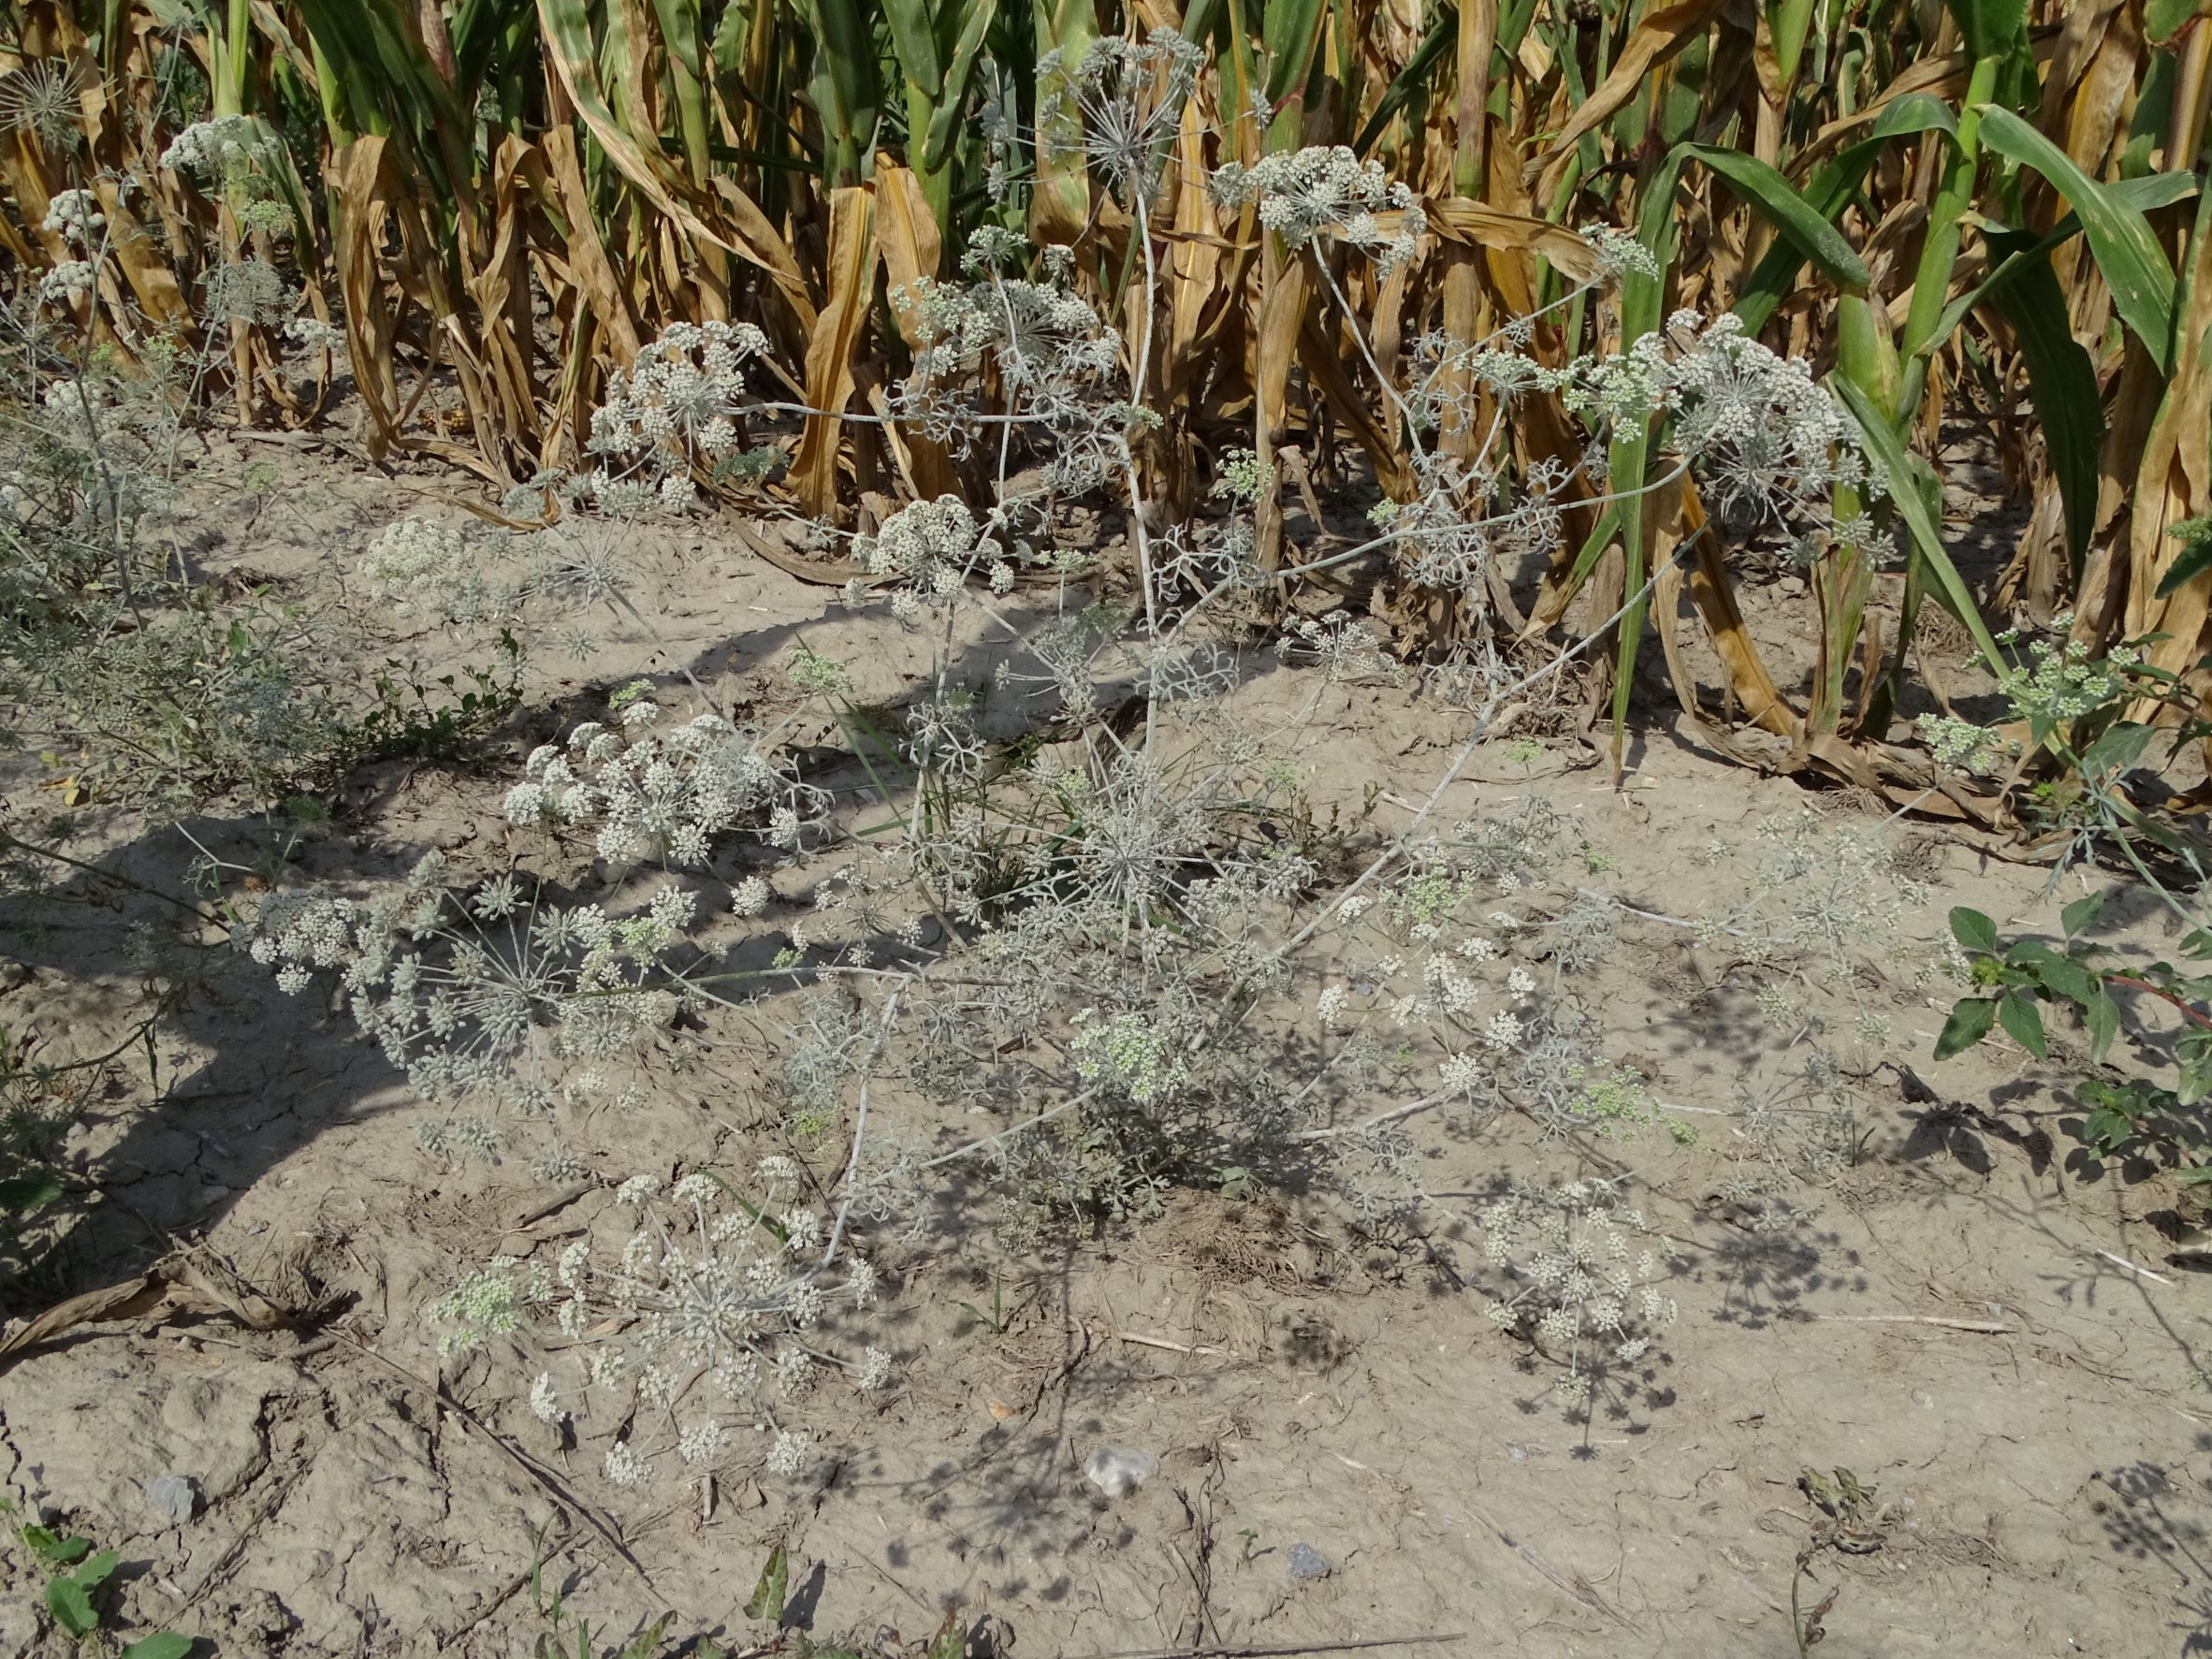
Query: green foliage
{"points": [[994, 1321], [767, 1594], [74, 1577], [2014, 983], [411, 720], [2121, 238], [2196, 558]]}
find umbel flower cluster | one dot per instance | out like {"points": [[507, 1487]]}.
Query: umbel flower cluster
{"points": [[1119, 105], [75, 215], [424, 569], [416, 562], [1588, 1276], [1308, 196], [929, 550], [1000, 353], [1762, 435], [497, 996], [656, 794], [683, 1325], [1768, 445], [677, 405], [221, 147]]}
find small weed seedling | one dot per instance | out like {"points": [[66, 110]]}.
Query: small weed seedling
{"points": [[74, 1577], [994, 1321], [1850, 1521]]}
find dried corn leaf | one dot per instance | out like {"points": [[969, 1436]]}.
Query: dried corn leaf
{"points": [[830, 353]]}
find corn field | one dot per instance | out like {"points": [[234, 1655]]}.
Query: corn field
{"points": [[1983, 206]]}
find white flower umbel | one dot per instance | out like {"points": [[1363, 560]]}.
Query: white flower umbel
{"points": [[479, 996], [221, 147], [677, 405], [1120, 104], [1767, 439], [1328, 193], [418, 563], [930, 548], [1588, 1276], [679, 1314], [75, 216], [656, 792], [1002, 353]]}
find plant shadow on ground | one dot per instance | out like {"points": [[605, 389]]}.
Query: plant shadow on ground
{"points": [[2139, 1509]]}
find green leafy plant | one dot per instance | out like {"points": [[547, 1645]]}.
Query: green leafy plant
{"points": [[74, 1577], [995, 1320], [2014, 982], [412, 722], [767, 1601]]}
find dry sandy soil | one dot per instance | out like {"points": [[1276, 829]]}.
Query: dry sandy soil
{"points": [[1957, 1325]]}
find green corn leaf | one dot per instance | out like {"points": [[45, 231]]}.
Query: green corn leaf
{"points": [[1777, 201], [845, 73], [1642, 300], [913, 38], [481, 31], [2062, 381], [1833, 189], [2128, 254], [1632, 630], [389, 81], [727, 49], [2164, 19], [944, 124], [1593, 546], [1068, 27], [1989, 27], [1996, 33], [1788, 23], [2145, 195], [1433, 50], [1290, 31], [1886, 449], [1970, 1021]]}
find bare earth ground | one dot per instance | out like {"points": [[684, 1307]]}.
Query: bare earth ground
{"points": [[1952, 1325]]}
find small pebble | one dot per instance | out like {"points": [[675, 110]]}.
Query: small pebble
{"points": [[1923, 1399], [1308, 1564], [1119, 1470], [176, 1496]]}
